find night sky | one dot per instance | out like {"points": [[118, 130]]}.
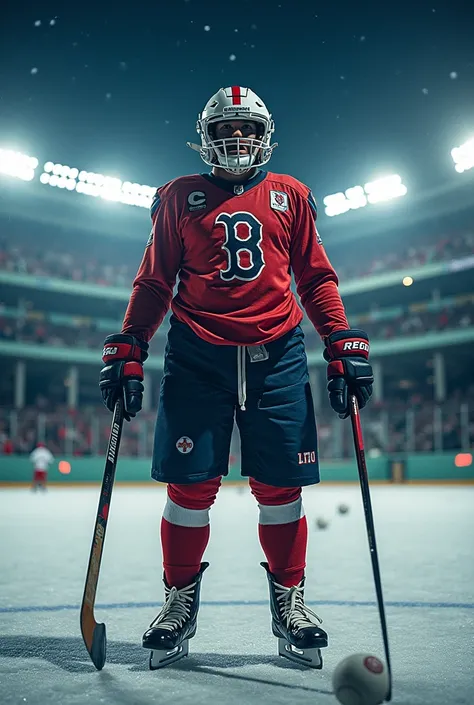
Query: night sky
{"points": [[356, 89]]}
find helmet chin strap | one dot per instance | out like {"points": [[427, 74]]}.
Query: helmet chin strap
{"points": [[241, 172], [207, 160], [236, 170], [244, 162]]}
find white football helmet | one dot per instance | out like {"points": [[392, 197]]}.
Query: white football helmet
{"points": [[235, 103]]}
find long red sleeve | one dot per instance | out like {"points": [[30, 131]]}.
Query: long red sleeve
{"points": [[156, 277], [316, 280]]}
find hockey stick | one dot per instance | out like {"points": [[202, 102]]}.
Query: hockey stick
{"points": [[94, 634], [369, 522]]}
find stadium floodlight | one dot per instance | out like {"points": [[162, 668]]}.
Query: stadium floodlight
{"points": [[385, 189], [90, 183], [110, 195], [18, 165], [356, 197], [90, 189], [338, 203], [97, 179], [112, 183], [144, 201], [463, 156], [149, 191]]}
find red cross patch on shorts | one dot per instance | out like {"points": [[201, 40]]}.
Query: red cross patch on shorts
{"points": [[184, 444]]}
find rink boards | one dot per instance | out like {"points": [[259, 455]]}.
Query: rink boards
{"points": [[416, 467]]}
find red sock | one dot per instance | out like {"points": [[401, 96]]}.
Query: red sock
{"points": [[185, 529], [183, 549], [283, 530], [284, 546]]}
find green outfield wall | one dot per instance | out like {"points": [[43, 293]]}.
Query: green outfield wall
{"points": [[420, 467]]}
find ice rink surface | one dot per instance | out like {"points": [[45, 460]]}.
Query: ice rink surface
{"points": [[426, 547]]}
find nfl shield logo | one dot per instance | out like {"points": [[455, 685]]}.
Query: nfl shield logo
{"points": [[279, 200]]}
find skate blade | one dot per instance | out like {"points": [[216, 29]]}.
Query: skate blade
{"points": [[160, 659], [305, 657]]}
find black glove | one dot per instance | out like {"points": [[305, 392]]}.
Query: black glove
{"points": [[123, 356], [349, 371]]}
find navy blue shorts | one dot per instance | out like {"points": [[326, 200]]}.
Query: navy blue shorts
{"points": [[199, 403]]}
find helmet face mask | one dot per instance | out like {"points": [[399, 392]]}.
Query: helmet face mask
{"points": [[236, 155]]}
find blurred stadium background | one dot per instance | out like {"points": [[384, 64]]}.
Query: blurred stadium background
{"points": [[64, 288]]}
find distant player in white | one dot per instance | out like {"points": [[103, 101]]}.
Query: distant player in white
{"points": [[41, 459]]}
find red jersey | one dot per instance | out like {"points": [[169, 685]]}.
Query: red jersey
{"points": [[233, 248]]}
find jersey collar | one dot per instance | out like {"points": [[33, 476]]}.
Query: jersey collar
{"points": [[230, 187]]}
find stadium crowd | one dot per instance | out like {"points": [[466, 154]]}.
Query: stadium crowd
{"points": [[33, 327], [77, 264], [441, 248], [415, 424], [448, 318], [395, 426], [75, 432]]}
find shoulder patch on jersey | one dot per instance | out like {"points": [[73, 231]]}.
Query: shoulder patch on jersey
{"points": [[150, 239], [279, 200], [196, 200]]}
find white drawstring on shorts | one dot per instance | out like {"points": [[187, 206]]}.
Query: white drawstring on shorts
{"points": [[241, 376]]}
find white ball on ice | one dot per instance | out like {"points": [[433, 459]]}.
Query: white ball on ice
{"points": [[321, 523], [360, 679]]}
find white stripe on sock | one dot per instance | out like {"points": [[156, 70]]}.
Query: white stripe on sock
{"points": [[185, 517], [282, 513]]}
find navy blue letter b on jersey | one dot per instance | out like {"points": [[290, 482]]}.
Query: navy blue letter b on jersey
{"points": [[234, 246]]}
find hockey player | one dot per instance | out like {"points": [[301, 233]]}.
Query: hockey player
{"points": [[235, 351], [41, 458]]}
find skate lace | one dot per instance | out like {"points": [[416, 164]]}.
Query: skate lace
{"points": [[293, 609], [177, 608]]}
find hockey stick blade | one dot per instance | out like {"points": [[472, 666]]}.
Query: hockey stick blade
{"points": [[93, 633], [95, 638], [369, 523]]}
